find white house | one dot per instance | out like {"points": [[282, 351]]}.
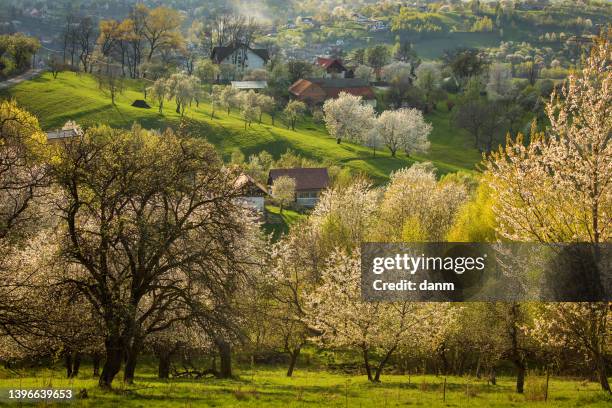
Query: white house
{"points": [[241, 56]]}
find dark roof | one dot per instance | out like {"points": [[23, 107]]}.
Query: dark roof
{"points": [[220, 53], [339, 82], [139, 103], [305, 179], [246, 183]]}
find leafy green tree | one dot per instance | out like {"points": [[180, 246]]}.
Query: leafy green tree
{"points": [[377, 57], [150, 220], [294, 111]]}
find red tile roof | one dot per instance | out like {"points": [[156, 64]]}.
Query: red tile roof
{"points": [[331, 64], [319, 90]]}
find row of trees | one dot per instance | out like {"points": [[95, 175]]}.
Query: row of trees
{"points": [[553, 189], [140, 243], [143, 234], [185, 89], [150, 40], [144, 34], [349, 118]]}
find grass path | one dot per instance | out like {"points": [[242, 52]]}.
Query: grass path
{"points": [[77, 97]]}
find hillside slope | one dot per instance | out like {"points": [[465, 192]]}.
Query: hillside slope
{"points": [[77, 97]]}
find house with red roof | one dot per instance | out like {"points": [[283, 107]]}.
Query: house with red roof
{"points": [[316, 91]]}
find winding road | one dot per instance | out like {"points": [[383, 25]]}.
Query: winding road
{"points": [[20, 78]]}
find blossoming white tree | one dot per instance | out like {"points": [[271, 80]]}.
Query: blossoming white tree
{"points": [[348, 117], [415, 207], [344, 319], [558, 187], [404, 129], [582, 327], [283, 191]]}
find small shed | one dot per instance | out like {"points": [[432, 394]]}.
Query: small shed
{"points": [[249, 85]]}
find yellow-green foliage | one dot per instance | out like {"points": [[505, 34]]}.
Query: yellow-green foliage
{"points": [[476, 221]]}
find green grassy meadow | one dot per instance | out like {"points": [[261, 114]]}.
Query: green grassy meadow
{"points": [[278, 224], [76, 97], [268, 387]]}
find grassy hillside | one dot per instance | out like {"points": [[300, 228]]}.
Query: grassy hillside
{"points": [[77, 97]]}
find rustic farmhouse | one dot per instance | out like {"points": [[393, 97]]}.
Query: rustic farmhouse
{"points": [[241, 56], [333, 67], [252, 193], [315, 91], [309, 182]]}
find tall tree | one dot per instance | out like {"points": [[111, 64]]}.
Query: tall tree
{"points": [[348, 117], [146, 217], [162, 30], [558, 187], [22, 181], [403, 129], [86, 37]]}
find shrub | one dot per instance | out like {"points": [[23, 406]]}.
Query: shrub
{"points": [[535, 388]]}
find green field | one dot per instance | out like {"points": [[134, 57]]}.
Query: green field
{"points": [[278, 224], [77, 97], [268, 387]]}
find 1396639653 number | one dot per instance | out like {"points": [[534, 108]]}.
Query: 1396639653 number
{"points": [[39, 394]]}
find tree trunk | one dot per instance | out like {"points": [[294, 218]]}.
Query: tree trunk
{"points": [[68, 364], [95, 360], [131, 360], [516, 357], [493, 377], [382, 364], [76, 364], [112, 363], [443, 358], [293, 357], [602, 374], [520, 377], [163, 370], [478, 366], [366, 363], [225, 355]]}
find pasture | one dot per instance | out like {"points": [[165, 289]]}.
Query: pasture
{"points": [[77, 97]]}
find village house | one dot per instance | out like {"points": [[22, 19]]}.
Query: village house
{"points": [[309, 182], [252, 193], [316, 91], [241, 56], [333, 67], [68, 131]]}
